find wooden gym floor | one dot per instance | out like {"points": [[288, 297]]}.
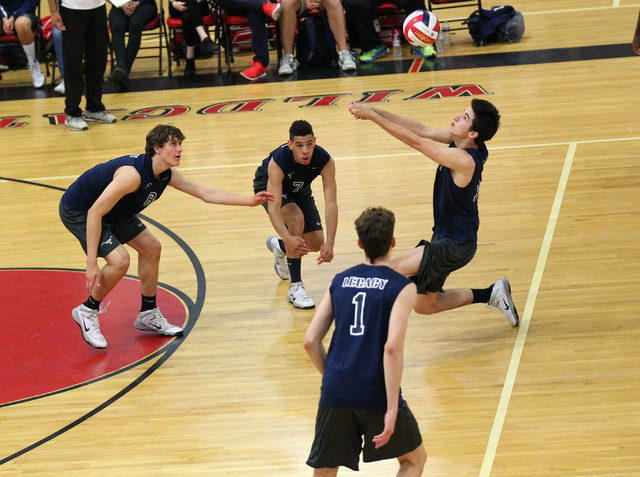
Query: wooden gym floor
{"points": [[557, 396]]}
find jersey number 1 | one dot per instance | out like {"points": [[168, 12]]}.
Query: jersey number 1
{"points": [[357, 329]]}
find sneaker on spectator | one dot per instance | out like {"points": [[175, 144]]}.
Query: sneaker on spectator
{"points": [[256, 71], [36, 75], [298, 297], [152, 320], [272, 10], [60, 88], [76, 123], [346, 60], [287, 64], [99, 116], [280, 265], [87, 320], [208, 47], [426, 51], [374, 54]]}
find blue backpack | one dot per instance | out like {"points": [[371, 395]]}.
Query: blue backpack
{"points": [[484, 24], [316, 45]]}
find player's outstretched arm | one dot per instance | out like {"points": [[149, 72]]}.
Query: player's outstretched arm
{"points": [[215, 196], [394, 358], [318, 329], [363, 111]]}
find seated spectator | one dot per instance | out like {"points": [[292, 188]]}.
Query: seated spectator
{"points": [[19, 19], [255, 10], [132, 17], [362, 31], [291, 9], [192, 12]]}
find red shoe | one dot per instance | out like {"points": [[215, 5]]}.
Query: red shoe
{"points": [[271, 9], [255, 72]]}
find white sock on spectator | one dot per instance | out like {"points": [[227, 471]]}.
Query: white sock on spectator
{"points": [[30, 50]]}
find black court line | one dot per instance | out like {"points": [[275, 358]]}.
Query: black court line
{"points": [[488, 60], [194, 310]]}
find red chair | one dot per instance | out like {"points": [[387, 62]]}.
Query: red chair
{"points": [[175, 36], [237, 35], [154, 29], [435, 5]]}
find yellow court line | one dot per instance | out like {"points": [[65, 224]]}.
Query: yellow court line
{"points": [[509, 382]]}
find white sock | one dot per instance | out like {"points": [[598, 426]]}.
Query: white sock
{"points": [[30, 50]]}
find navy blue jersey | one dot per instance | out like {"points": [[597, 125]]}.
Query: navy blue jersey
{"points": [[362, 298], [455, 209], [83, 193], [297, 177]]}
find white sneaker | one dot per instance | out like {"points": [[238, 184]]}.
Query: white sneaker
{"points": [[76, 123], [100, 116], [346, 60], [281, 265], [287, 64], [36, 75], [298, 296], [501, 301], [89, 324], [152, 320], [60, 88]]}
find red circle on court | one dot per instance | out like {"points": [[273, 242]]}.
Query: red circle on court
{"points": [[43, 350]]}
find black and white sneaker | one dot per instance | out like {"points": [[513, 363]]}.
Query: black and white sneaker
{"points": [[87, 320], [152, 320], [298, 297], [280, 265], [501, 301]]}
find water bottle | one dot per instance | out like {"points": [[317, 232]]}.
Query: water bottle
{"points": [[397, 48], [440, 42], [446, 29]]}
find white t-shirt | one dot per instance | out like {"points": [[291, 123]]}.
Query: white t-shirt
{"points": [[82, 4]]}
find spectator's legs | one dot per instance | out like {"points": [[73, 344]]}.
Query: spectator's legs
{"points": [[73, 37], [140, 19], [96, 42]]}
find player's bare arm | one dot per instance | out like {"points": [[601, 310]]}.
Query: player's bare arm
{"points": [[394, 358], [331, 210], [415, 126], [318, 329], [212, 195], [456, 159], [125, 180], [294, 245]]}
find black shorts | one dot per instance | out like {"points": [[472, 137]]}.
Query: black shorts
{"points": [[339, 433], [441, 257], [113, 233], [304, 201]]}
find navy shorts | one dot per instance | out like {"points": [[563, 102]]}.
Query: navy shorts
{"points": [[339, 434], [113, 233], [441, 257], [305, 202]]}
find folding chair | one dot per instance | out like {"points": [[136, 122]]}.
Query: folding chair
{"points": [[156, 28], [174, 25], [237, 34], [435, 5]]}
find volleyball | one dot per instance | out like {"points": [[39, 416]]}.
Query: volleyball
{"points": [[421, 28]]}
